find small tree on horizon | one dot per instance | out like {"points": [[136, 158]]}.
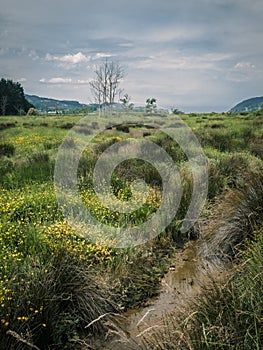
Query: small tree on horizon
{"points": [[151, 105], [126, 102]]}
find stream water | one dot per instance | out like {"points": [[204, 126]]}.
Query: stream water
{"points": [[188, 272]]}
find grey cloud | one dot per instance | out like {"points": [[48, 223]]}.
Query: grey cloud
{"points": [[168, 47]]}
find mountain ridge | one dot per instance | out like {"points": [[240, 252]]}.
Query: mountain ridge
{"points": [[252, 104], [50, 104], [46, 104]]}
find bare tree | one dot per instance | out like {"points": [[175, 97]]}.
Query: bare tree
{"points": [[105, 85], [96, 88]]}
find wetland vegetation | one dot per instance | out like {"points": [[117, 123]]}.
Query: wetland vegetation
{"points": [[58, 290]]}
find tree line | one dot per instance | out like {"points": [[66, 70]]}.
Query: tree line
{"points": [[12, 98]]}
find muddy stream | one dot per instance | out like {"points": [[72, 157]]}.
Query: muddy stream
{"points": [[189, 271]]}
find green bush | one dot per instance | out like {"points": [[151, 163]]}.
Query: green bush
{"points": [[7, 149], [51, 303]]}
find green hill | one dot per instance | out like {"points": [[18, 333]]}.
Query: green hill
{"points": [[48, 104], [250, 105]]}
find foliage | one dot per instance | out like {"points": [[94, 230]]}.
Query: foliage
{"points": [[32, 111], [227, 316], [151, 105], [126, 102], [228, 313], [6, 149], [53, 281], [12, 98]]}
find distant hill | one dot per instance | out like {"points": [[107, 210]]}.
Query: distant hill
{"points": [[48, 104], [250, 105]]}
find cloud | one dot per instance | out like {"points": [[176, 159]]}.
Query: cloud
{"points": [[69, 60], [180, 61], [101, 55], [244, 66], [83, 81], [243, 71], [33, 55], [60, 80], [190, 53], [22, 80], [57, 80]]}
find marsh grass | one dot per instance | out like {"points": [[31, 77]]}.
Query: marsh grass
{"points": [[137, 271], [52, 302], [239, 215], [6, 149], [229, 313], [53, 282]]}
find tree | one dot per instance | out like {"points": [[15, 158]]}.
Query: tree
{"points": [[96, 88], [151, 105], [105, 85], [126, 102], [12, 98], [4, 102]]}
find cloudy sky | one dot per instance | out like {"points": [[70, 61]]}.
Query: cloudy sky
{"points": [[195, 55]]}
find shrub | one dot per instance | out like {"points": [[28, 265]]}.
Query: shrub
{"points": [[6, 166], [33, 111], [123, 128], [38, 157], [59, 299], [66, 126], [256, 147], [83, 129], [7, 149], [4, 126]]}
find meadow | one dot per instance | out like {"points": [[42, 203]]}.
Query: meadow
{"points": [[54, 282]]}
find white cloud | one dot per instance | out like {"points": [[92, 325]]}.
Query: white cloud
{"points": [[33, 55], [167, 60], [22, 80], [172, 33], [244, 66], [100, 55], [60, 80], [57, 80], [83, 81], [69, 60]]}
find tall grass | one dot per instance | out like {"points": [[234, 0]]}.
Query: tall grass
{"points": [[49, 304], [53, 282], [228, 314]]}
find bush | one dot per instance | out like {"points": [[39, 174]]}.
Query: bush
{"points": [[4, 126], [7, 149], [33, 111], [123, 128], [59, 299], [66, 126], [6, 166], [256, 147], [38, 157]]}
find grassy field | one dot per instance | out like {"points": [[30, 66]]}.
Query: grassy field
{"points": [[54, 282]]}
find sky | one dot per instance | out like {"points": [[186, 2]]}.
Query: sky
{"points": [[193, 55]]}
